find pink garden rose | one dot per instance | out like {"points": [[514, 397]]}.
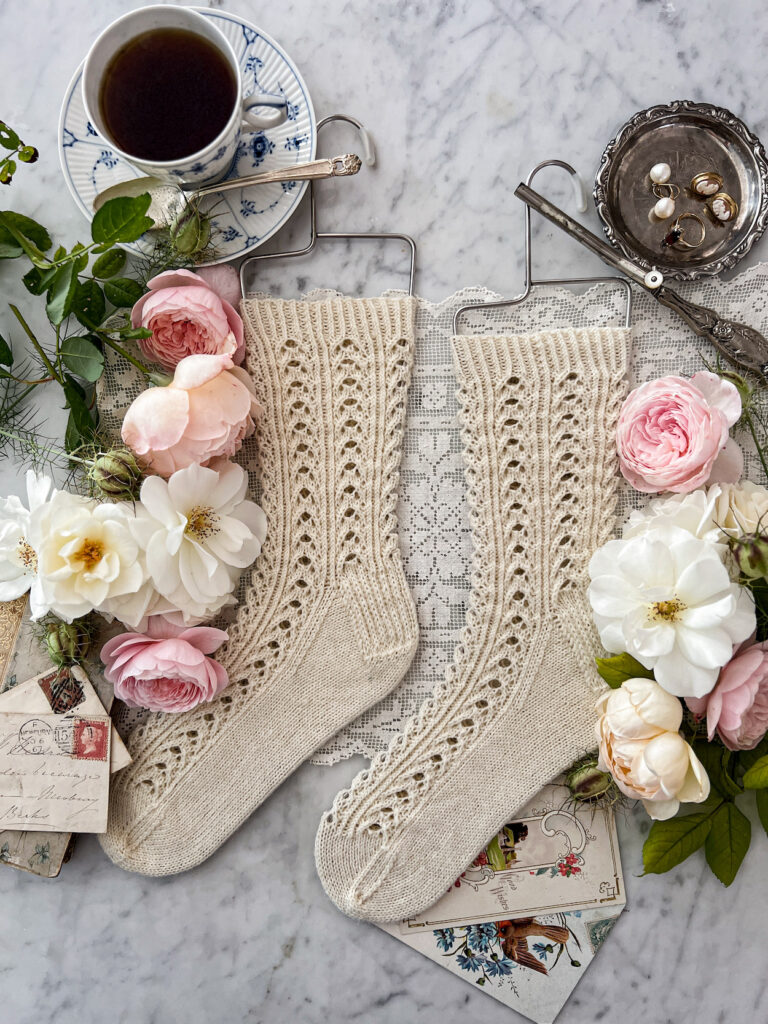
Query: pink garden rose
{"points": [[203, 414], [738, 706], [190, 314], [672, 434], [166, 669]]}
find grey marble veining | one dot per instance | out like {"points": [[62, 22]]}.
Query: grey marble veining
{"points": [[463, 98]]}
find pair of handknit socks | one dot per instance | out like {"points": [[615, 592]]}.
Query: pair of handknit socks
{"points": [[329, 626]]}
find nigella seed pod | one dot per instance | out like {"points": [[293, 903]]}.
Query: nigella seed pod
{"points": [[116, 475], [190, 232], [67, 643], [586, 781], [750, 553]]}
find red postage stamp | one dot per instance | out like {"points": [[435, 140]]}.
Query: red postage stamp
{"points": [[91, 740]]}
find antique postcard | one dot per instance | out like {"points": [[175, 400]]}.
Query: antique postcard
{"points": [[61, 691], [553, 857], [54, 772], [526, 918]]}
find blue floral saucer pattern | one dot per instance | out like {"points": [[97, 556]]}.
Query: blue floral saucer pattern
{"points": [[242, 219]]}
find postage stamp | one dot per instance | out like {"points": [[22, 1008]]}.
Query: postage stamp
{"points": [[91, 740]]}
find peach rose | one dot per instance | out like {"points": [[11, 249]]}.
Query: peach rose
{"points": [[203, 414], [672, 434], [166, 669], [738, 706], [189, 314], [642, 749]]}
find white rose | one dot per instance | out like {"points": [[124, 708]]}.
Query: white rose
{"points": [[199, 532], [665, 597], [693, 512], [642, 749], [18, 559], [87, 556], [741, 508]]}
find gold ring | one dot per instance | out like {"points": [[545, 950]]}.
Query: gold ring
{"points": [[674, 190], [675, 239], [706, 184], [723, 207]]}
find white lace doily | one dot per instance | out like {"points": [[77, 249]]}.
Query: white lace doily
{"points": [[433, 515]]}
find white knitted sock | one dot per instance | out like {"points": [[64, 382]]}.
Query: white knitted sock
{"points": [[517, 705], [329, 626]]}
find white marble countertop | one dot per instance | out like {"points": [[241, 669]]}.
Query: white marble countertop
{"points": [[463, 98]]}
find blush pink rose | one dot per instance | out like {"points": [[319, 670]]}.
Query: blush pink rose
{"points": [[190, 314], [672, 434], [166, 669], [203, 414], [737, 708]]}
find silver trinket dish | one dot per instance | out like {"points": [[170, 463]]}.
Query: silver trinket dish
{"points": [[692, 138]]}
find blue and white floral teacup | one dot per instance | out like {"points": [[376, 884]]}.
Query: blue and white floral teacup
{"points": [[211, 163]]}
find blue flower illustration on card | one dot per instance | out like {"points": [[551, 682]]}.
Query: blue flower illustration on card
{"points": [[495, 949]]}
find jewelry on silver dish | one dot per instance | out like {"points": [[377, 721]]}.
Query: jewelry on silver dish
{"points": [[660, 174], [723, 207], [706, 184], [665, 205], [675, 238]]}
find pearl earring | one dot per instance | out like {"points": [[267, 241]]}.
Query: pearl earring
{"points": [[664, 207], [660, 174]]}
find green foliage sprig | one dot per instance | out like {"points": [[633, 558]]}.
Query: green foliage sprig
{"points": [[10, 140]]}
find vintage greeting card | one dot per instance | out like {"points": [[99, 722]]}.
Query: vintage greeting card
{"points": [[525, 920]]}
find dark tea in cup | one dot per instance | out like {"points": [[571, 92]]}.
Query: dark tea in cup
{"points": [[167, 93]]}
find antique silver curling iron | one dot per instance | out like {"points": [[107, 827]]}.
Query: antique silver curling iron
{"points": [[743, 345]]}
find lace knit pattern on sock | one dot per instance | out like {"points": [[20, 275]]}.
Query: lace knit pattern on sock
{"points": [[333, 378], [538, 415]]}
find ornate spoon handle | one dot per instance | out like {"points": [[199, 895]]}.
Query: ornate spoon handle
{"points": [[338, 166], [741, 344]]}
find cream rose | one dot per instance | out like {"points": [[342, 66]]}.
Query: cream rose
{"points": [[642, 749], [741, 508]]}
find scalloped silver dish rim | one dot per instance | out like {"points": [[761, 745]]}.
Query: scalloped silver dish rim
{"points": [[642, 118]]}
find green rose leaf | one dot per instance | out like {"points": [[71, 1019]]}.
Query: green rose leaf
{"points": [[20, 234], [717, 763], [123, 291], [61, 294], [109, 263], [8, 137], [121, 220], [6, 356], [761, 800], [748, 757], [89, 305], [81, 425], [38, 281], [670, 842], [756, 777], [83, 358], [728, 841], [619, 668]]}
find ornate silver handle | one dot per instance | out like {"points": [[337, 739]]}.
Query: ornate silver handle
{"points": [[741, 344], [335, 167]]}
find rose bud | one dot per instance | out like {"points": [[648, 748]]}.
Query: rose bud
{"points": [[750, 553]]}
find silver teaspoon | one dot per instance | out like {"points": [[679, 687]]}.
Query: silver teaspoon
{"points": [[168, 200]]}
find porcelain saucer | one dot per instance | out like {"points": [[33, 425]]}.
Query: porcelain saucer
{"points": [[244, 218]]}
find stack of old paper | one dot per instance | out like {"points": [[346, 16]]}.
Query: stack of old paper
{"points": [[525, 920], [58, 748]]}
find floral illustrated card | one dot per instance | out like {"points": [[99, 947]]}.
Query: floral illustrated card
{"points": [[525, 920], [554, 857]]}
